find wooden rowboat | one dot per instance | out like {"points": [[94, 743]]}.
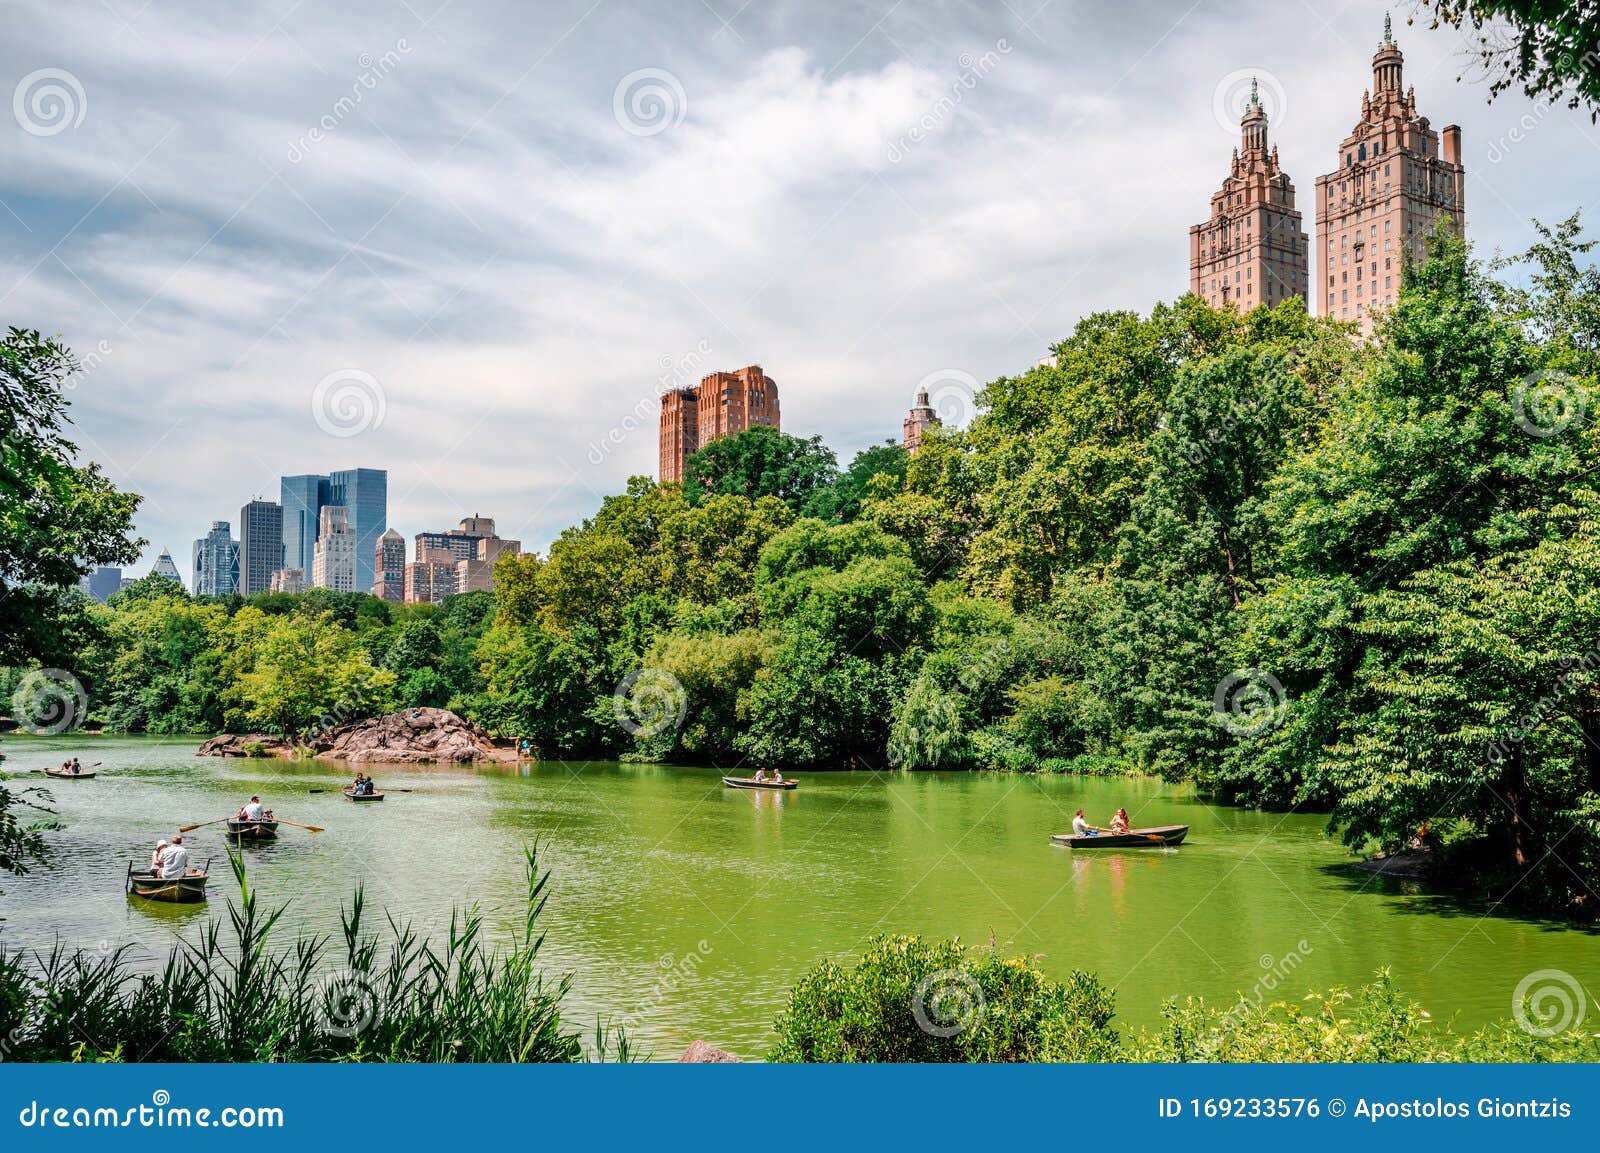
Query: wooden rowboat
{"points": [[350, 794], [748, 783], [183, 890], [252, 830], [85, 775], [1158, 837]]}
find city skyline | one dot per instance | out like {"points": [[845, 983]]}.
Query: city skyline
{"points": [[505, 355]]}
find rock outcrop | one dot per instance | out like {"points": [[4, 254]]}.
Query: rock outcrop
{"points": [[411, 736], [702, 1053]]}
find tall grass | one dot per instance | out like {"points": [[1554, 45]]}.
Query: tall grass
{"points": [[230, 995]]}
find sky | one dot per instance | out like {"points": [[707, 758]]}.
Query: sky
{"points": [[469, 243]]}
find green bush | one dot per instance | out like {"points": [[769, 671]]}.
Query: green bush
{"points": [[998, 751], [1374, 1023], [1090, 765], [913, 1000], [253, 749]]}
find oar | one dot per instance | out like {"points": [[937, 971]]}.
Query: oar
{"points": [[307, 828], [203, 824]]}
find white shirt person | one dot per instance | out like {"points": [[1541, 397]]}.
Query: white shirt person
{"points": [[252, 810], [175, 861]]}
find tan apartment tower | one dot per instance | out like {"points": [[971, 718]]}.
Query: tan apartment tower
{"points": [[1253, 250], [1396, 178], [723, 404]]}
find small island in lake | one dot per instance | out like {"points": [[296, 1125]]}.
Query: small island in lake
{"points": [[411, 736]]}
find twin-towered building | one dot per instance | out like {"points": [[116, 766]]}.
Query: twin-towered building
{"points": [[1396, 178]]}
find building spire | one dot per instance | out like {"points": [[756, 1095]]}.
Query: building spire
{"points": [[1388, 30], [1255, 97]]}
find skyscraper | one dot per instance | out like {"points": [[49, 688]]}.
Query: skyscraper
{"points": [[389, 560], [216, 562], [165, 568], [260, 545], [1253, 249], [1396, 177], [723, 404], [364, 494], [334, 566], [302, 500], [101, 583]]}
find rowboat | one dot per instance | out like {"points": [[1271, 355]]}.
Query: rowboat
{"points": [[257, 830], [350, 794], [182, 890], [749, 783], [1158, 837], [85, 775]]}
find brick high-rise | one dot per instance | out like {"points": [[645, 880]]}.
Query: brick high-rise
{"points": [[723, 404], [1396, 177], [1253, 250]]}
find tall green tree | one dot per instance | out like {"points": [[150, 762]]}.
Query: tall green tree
{"points": [[57, 519]]}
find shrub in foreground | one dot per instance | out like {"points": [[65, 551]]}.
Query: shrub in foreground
{"points": [[912, 1000]]}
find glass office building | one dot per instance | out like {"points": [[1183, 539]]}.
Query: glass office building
{"points": [[302, 498], [362, 492], [364, 495]]}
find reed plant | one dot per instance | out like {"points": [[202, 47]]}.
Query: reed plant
{"points": [[234, 994]]}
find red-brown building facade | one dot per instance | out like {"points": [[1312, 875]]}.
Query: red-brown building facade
{"points": [[723, 404], [1396, 178], [1253, 249]]}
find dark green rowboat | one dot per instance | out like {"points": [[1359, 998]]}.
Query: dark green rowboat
{"points": [[1160, 837]]}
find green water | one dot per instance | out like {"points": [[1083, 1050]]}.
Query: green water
{"points": [[689, 908]]}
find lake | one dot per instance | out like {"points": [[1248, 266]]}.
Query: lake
{"points": [[690, 909]]}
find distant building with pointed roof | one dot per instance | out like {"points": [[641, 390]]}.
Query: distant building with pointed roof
{"points": [[164, 567], [921, 418]]}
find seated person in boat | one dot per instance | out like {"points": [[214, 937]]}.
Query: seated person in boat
{"points": [[777, 776], [1081, 827], [155, 858], [175, 861], [66, 766], [1119, 823], [761, 775], [368, 788], [251, 810], [360, 784], [76, 767]]}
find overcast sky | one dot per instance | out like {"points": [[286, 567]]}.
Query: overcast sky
{"points": [[465, 242]]}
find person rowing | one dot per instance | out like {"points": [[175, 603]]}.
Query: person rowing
{"points": [[1081, 827], [251, 810], [76, 767]]}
